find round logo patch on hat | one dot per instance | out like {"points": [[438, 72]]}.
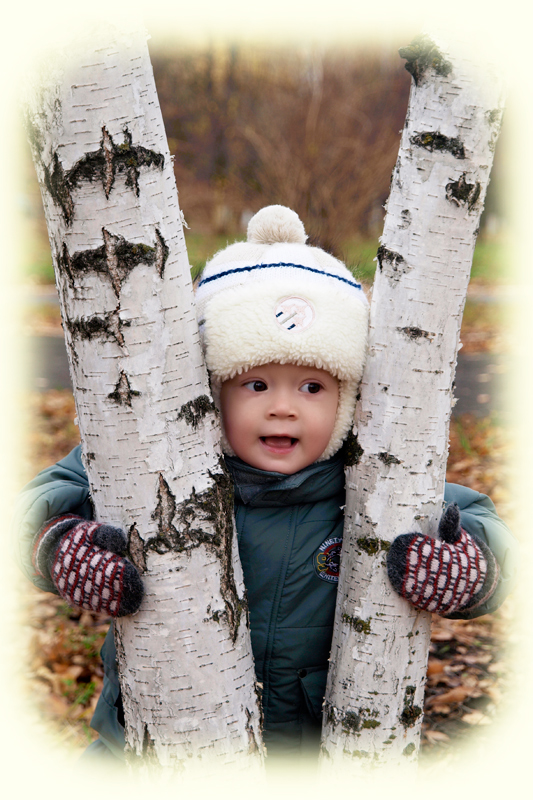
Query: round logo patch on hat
{"points": [[328, 558], [294, 314]]}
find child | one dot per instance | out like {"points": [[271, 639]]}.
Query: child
{"points": [[284, 328]]}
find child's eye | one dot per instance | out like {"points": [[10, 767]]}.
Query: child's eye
{"points": [[256, 386], [311, 387]]}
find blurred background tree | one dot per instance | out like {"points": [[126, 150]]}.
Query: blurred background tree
{"points": [[315, 131]]}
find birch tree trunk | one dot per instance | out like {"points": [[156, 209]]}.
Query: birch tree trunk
{"points": [[395, 480], [149, 430]]}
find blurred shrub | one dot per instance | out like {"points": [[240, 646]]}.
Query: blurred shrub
{"points": [[318, 132]]}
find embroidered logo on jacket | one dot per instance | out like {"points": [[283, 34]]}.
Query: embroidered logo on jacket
{"points": [[327, 559]]}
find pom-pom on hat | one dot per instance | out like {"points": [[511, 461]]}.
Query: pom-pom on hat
{"points": [[275, 299]]}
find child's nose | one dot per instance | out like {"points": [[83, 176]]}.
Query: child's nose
{"points": [[282, 405]]}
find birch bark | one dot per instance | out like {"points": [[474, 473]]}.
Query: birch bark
{"points": [[395, 480], [149, 430]]}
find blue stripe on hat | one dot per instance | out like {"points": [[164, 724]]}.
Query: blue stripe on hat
{"points": [[270, 266]]}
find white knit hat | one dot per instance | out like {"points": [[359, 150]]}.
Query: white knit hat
{"points": [[275, 299]]}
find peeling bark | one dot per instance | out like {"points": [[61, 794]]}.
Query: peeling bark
{"points": [[149, 430], [397, 454]]}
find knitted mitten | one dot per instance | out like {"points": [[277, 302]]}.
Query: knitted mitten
{"points": [[83, 561], [453, 573]]}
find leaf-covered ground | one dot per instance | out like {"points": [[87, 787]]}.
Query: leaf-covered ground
{"points": [[468, 668]]}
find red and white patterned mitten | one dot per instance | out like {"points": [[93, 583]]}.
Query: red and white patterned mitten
{"points": [[453, 573], [84, 560]]}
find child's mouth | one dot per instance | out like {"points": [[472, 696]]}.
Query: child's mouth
{"points": [[279, 443]]}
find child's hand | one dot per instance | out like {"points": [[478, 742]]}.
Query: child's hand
{"points": [[84, 562], [452, 573]]}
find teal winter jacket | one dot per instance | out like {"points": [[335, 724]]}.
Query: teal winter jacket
{"points": [[290, 534]]}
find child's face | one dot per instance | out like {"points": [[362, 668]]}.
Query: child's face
{"points": [[279, 417]]}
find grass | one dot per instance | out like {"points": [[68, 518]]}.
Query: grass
{"points": [[359, 255], [201, 247], [40, 272], [492, 263]]}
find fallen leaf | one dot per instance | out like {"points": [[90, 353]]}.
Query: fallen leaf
{"points": [[438, 709], [57, 706], [476, 718], [436, 736], [437, 665], [494, 693], [456, 695], [442, 636], [470, 680], [73, 672], [464, 464], [43, 611], [478, 658]]}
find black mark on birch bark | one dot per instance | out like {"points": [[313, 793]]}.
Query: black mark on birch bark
{"points": [[217, 505], [410, 712], [372, 545], [429, 371], [148, 748], [351, 721], [494, 116], [57, 184], [213, 506], [409, 749], [406, 218], [463, 193], [357, 624], [352, 450], [388, 459], [396, 172], [252, 741], [123, 393], [195, 410], [161, 253], [103, 164], [494, 119], [100, 166], [136, 549], [115, 259], [422, 55], [258, 690], [435, 141], [164, 513], [392, 264], [417, 333], [107, 326]]}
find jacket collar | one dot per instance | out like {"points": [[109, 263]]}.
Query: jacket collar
{"points": [[255, 487]]}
